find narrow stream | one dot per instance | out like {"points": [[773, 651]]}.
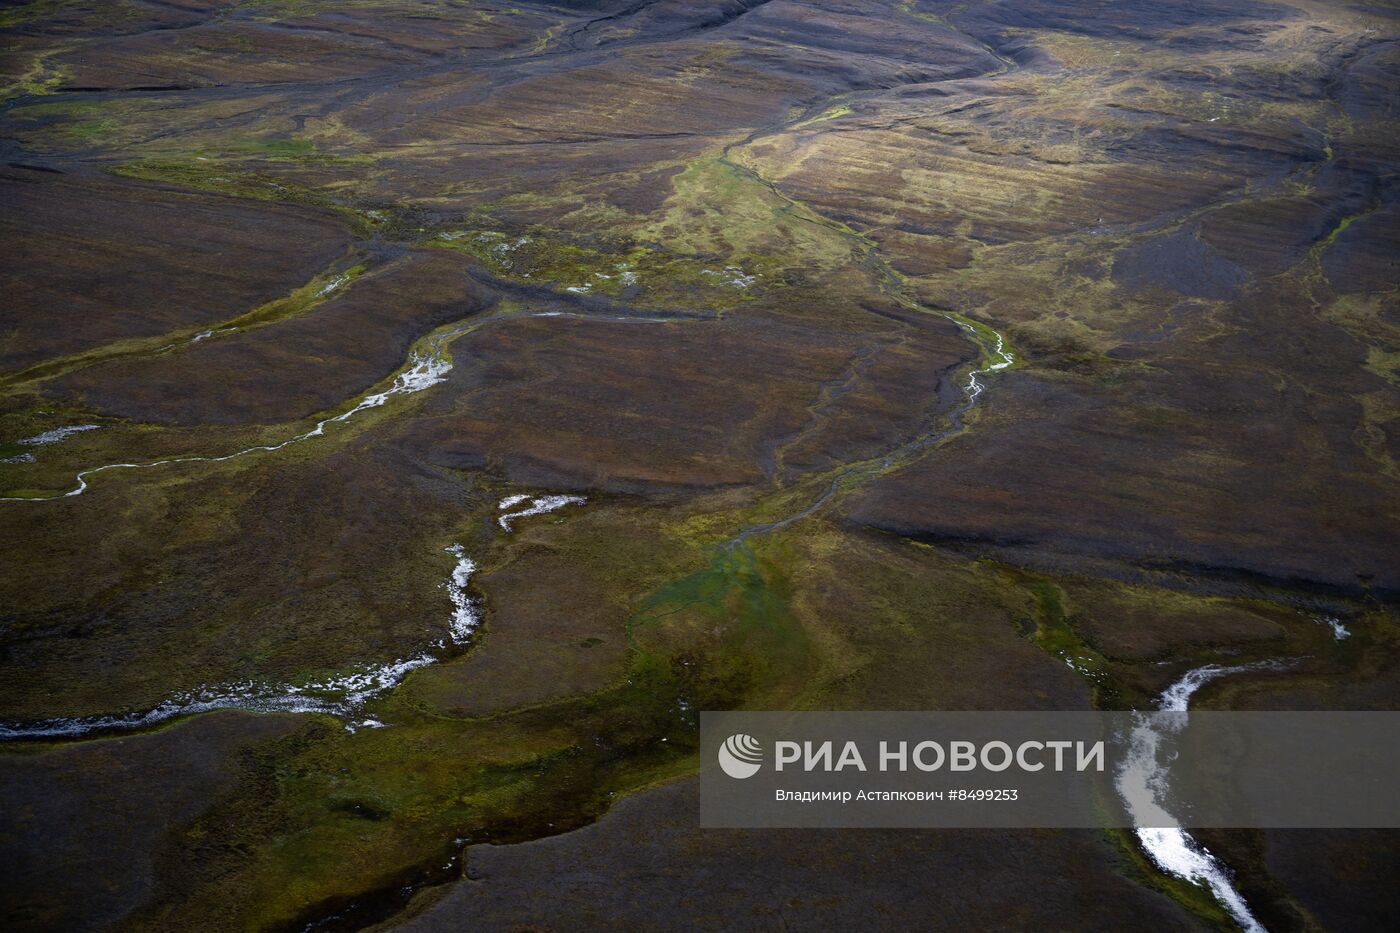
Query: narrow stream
{"points": [[994, 358], [990, 344], [1143, 780], [345, 695], [540, 505], [466, 611], [342, 695], [423, 370]]}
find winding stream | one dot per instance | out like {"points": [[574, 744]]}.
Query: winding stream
{"points": [[345, 695], [994, 357], [1143, 780], [424, 369], [539, 505], [466, 611], [342, 695]]}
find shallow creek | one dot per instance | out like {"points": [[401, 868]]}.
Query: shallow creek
{"points": [[1142, 783]]}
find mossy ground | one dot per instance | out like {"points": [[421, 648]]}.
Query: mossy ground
{"points": [[1008, 216]]}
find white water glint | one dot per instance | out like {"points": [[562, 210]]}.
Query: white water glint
{"points": [[1339, 631], [466, 612], [56, 435], [424, 371], [997, 359], [512, 501], [1177, 853], [332, 285], [343, 695], [1143, 782], [210, 334], [337, 696], [539, 506]]}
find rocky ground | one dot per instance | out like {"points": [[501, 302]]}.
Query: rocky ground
{"points": [[1019, 354]]}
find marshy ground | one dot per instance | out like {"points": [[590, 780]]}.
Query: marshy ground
{"points": [[360, 270]]}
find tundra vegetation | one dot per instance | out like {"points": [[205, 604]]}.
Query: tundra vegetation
{"points": [[1014, 354]]}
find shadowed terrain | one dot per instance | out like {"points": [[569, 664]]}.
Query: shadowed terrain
{"points": [[412, 413]]}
